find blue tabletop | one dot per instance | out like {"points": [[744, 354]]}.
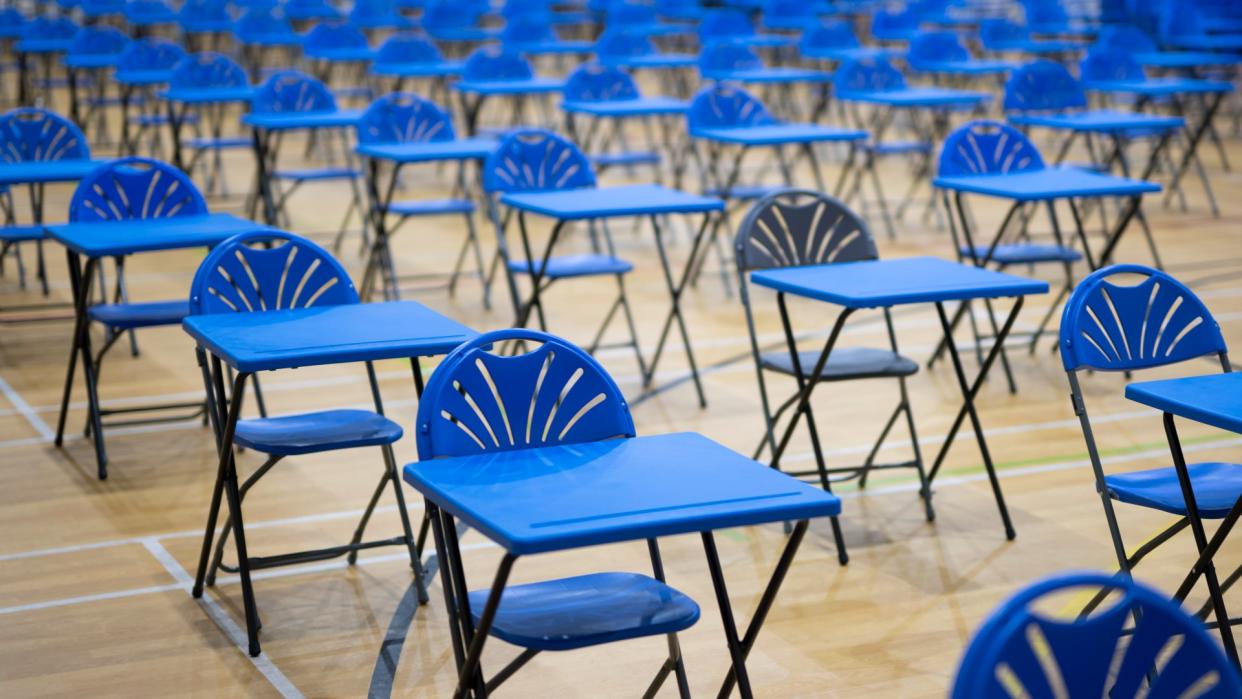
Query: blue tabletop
{"points": [[552, 498], [1100, 120], [143, 77], [777, 134], [347, 54], [857, 53], [643, 106], [1160, 87], [208, 95], [1214, 399], [91, 60], [36, 171], [918, 97], [117, 238], [511, 87], [288, 121], [654, 60], [419, 70], [894, 282], [968, 67], [430, 151], [781, 74], [284, 339], [1186, 59], [606, 202], [42, 45], [1049, 183]]}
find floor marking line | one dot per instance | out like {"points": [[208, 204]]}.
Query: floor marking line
{"points": [[22, 407]]}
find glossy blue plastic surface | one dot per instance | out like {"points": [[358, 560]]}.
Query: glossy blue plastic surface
{"points": [[927, 48], [95, 42], [604, 202], [1108, 64], [145, 13], [1048, 183], [326, 335], [265, 27], [404, 118], [204, 16], [378, 14], [1096, 656], [1161, 87], [778, 134], [643, 106], [493, 64], [1215, 399], [28, 134], [873, 75], [135, 188], [724, 107], [570, 266], [292, 91], [919, 97], [987, 148], [327, 37], [292, 121], [1186, 59], [1101, 121], [309, 433], [1043, 86], [529, 86], [1109, 326], [593, 82], [430, 151], [131, 316], [291, 272], [408, 47], [130, 236], [207, 70], [148, 56], [46, 171], [1023, 253], [894, 282], [1217, 486], [532, 160], [46, 34]]}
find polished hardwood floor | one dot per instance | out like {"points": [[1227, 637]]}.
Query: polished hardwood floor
{"points": [[94, 575]]}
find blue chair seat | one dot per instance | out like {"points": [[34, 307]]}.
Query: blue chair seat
{"points": [[898, 147], [575, 266], [324, 430], [206, 143], [587, 610], [746, 192], [317, 174], [602, 160], [17, 234], [844, 363], [1217, 487], [125, 316], [431, 207], [1025, 253]]}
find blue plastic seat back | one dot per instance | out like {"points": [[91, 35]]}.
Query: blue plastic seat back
{"points": [[1126, 37], [1043, 86], [29, 134], [829, 35], [931, 47], [203, 11], [1020, 648], [867, 75], [1109, 325], [495, 63], [408, 47], [269, 271], [790, 10], [1179, 20], [592, 82], [527, 29], [985, 147], [148, 10], [1047, 14], [893, 24], [726, 106], [536, 160], [50, 28], [135, 188], [617, 43], [259, 22], [150, 54], [334, 35], [727, 55], [478, 401], [374, 10], [98, 41], [994, 32], [724, 24], [403, 118], [449, 14], [12, 17], [208, 70], [631, 14], [292, 91], [514, 9], [1110, 64], [798, 227]]}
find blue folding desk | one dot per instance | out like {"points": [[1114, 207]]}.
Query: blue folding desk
{"points": [[97, 241], [267, 127], [95, 67], [649, 200], [131, 81], [46, 49], [897, 282], [459, 151], [215, 99], [287, 339], [1214, 400], [548, 499], [474, 94], [643, 109], [1186, 60]]}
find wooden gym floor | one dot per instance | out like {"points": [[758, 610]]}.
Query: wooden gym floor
{"points": [[94, 575]]}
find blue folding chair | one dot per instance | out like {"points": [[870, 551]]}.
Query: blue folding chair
{"points": [[94, 10], [555, 394], [1164, 653], [635, 51], [894, 26], [533, 35], [738, 63], [836, 42], [377, 15], [1182, 25], [340, 47], [1111, 323], [209, 71], [42, 38], [145, 16], [271, 272], [94, 52], [790, 15], [307, 12], [496, 72], [145, 65], [733, 25], [535, 160], [999, 35], [204, 22], [453, 24], [609, 94], [407, 118], [263, 31], [942, 55], [33, 135], [408, 56]]}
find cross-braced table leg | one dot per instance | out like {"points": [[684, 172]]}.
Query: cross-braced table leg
{"points": [[80, 279], [379, 259], [1190, 155], [675, 289]]}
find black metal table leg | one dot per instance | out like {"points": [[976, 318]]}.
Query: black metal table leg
{"points": [[81, 279], [675, 290]]}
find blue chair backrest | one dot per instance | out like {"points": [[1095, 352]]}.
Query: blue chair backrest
{"points": [[28, 134], [150, 54], [148, 10], [203, 11], [618, 43], [721, 56], [527, 29], [723, 24], [1019, 648], [1111, 326], [796, 227], [790, 10], [495, 63], [930, 47], [292, 91], [1043, 86], [1110, 64], [630, 14], [259, 22], [535, 160], [403, 118], [373, 9], [592, 82], [248, 273], [50, 28], [893, 25], [829, 35], [987, 148], [449, 14], [208, 69], [101, 8], [334, 35], [479, 402], [12, 17], [867, 75], [408, 47], [994, 32], [135, 188], [726, 106], [1047, 14], [98, 41], [1126, 37], [1180, 19]]}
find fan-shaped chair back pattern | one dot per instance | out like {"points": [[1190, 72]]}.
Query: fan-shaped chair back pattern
{"points": [[403, 118], [293, 91], [1110, 64], [726, 106], [867, 75], [829, 35], [931, 47], [50, 28], [408, 47], [619, 43], [334, 35], [29, 134], [722, 56], [987, 148], [1019, 651], [258, 22], [495, 63], [478, 401], [894, 25], [208, 69], [1043, 86], [593, 82], [149, 54], [798, 227], [98, 41], [240, 276], [527, 29], [1127, 37], [1108, 326], [536, 160], [135, 188], [722, 24]]}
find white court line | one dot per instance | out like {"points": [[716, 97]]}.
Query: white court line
{"points": [[22, 407]]}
